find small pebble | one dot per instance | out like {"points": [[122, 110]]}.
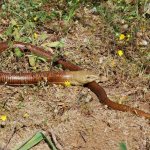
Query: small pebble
{"points": [[143, 43]]}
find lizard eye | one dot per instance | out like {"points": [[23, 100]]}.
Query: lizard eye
{"points": [[91, 77], [88, 77]]}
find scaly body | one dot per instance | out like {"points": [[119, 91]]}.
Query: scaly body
{"points": [[93, 86]]}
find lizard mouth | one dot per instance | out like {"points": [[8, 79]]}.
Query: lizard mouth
{"points": [[91, 78]]}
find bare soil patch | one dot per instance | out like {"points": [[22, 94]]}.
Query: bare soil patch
{"points": [[74, 114]]}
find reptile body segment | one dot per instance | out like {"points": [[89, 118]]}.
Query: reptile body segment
{"points": [[74, 77], [93, 86]]}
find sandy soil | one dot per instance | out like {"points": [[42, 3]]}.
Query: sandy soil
{"points": [[74, 113]]}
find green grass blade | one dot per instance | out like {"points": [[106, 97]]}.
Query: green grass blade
{"points": [[49, 143], [123, 146], [57, 44], [38, 137]]}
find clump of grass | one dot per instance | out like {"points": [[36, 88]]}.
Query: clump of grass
{"points": [[113, 10], [72, 6], [37, 138], [23, 18]]}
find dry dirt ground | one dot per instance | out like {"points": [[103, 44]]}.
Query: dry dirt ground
{"points": [[74, 113]]}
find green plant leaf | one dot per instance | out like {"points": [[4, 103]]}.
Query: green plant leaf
{"points": [[123, 146], [43, 37], [13, 22], [54, 44], [42, 59], [16, 34], [38, 137], [18, 52], [9, 30], [32, 60], [31, 142]]}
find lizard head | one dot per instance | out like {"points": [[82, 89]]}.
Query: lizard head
{"points": [[83, 77]]}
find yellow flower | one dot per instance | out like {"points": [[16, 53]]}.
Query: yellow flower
{"points": [[3, 118], [35, 35], [26, 115], [121, 37], [35, 18], [128, 37], [67, 83], [120, 53]]}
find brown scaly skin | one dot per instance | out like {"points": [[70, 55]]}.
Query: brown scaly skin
{"points": [[74, 77], [23, 46], [93, 86], [101, 94]]}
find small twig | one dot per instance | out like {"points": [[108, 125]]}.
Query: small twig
{"points": [[137, 7], [14, 131], [54, 139], [81, 134], [5, 102]]}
